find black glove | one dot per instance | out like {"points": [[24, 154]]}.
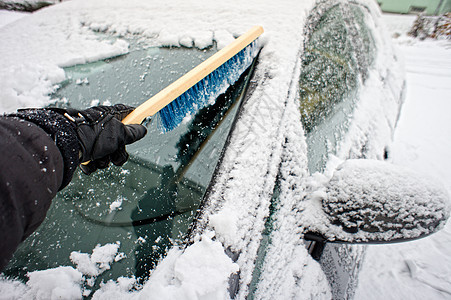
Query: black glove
{"points": [[102, 135]]}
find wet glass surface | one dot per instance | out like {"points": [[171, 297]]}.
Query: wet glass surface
{"points": [[148, 204]]}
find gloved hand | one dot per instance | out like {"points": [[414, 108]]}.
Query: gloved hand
{"points": [[102, 135]]}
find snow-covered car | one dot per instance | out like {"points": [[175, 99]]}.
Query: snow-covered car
{"points": [[234, 202]]}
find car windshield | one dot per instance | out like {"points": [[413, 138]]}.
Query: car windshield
{"points": [[148, 204]]}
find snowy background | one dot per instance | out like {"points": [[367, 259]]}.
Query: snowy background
{"points": [[419, 269]]}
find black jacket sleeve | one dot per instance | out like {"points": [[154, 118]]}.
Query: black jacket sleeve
{"points": [[38, 155]]}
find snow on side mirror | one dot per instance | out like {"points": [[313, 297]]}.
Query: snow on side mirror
{"points": [[369, 201]]}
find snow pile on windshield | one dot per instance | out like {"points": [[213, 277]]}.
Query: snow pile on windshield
{"points": [[57, 283], [28, 77], [99, 261], [369, 200], [77, 32], [199, 272], [64, 282]]}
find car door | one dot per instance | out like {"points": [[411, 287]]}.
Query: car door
{"points": [[339, 53]]}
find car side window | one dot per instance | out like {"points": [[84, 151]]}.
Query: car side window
{"points": [[365, 49], [338, 51], [328, 68]]}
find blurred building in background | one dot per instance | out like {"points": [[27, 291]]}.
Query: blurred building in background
{"points": [[428, 7]]}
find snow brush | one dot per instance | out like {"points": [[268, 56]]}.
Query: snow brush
{"points": [[200, 86]]}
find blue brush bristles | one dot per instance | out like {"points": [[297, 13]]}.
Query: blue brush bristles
{"points": [[208, 89]]}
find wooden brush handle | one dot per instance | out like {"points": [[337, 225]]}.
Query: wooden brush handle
{"points": [[172, 91]]}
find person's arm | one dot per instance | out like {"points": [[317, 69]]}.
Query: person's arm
{"points": [[40, 150]]}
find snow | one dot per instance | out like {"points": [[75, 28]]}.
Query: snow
{"points": [[289, 271], [199, 272], [374, 201], [224, 223], [98, 262], [72, 37], [7, 17], [58, 283], [28, 77], [116, 204], [209, 276], [235, 216], [64, 282], [418, 269], [75, 39], [382, 201]]}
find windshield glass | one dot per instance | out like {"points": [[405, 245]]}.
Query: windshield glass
{"points": [[148, 204]]}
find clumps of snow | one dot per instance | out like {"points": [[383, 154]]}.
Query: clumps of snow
{"points": [[11, 289], [201, 271], [374, 201], [205, 268], [203, 39], [81, 81], [32, 62], [109, 48], [57, 283], [186, 41], [98, 262], [94, 102], [223, 38], [64, 282], [224, 223], [27, 85], [119, 289], [116, 205], [200, 39], [188, 117]]}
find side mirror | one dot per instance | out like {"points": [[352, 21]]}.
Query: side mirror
{"points": [[369, 201]]}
